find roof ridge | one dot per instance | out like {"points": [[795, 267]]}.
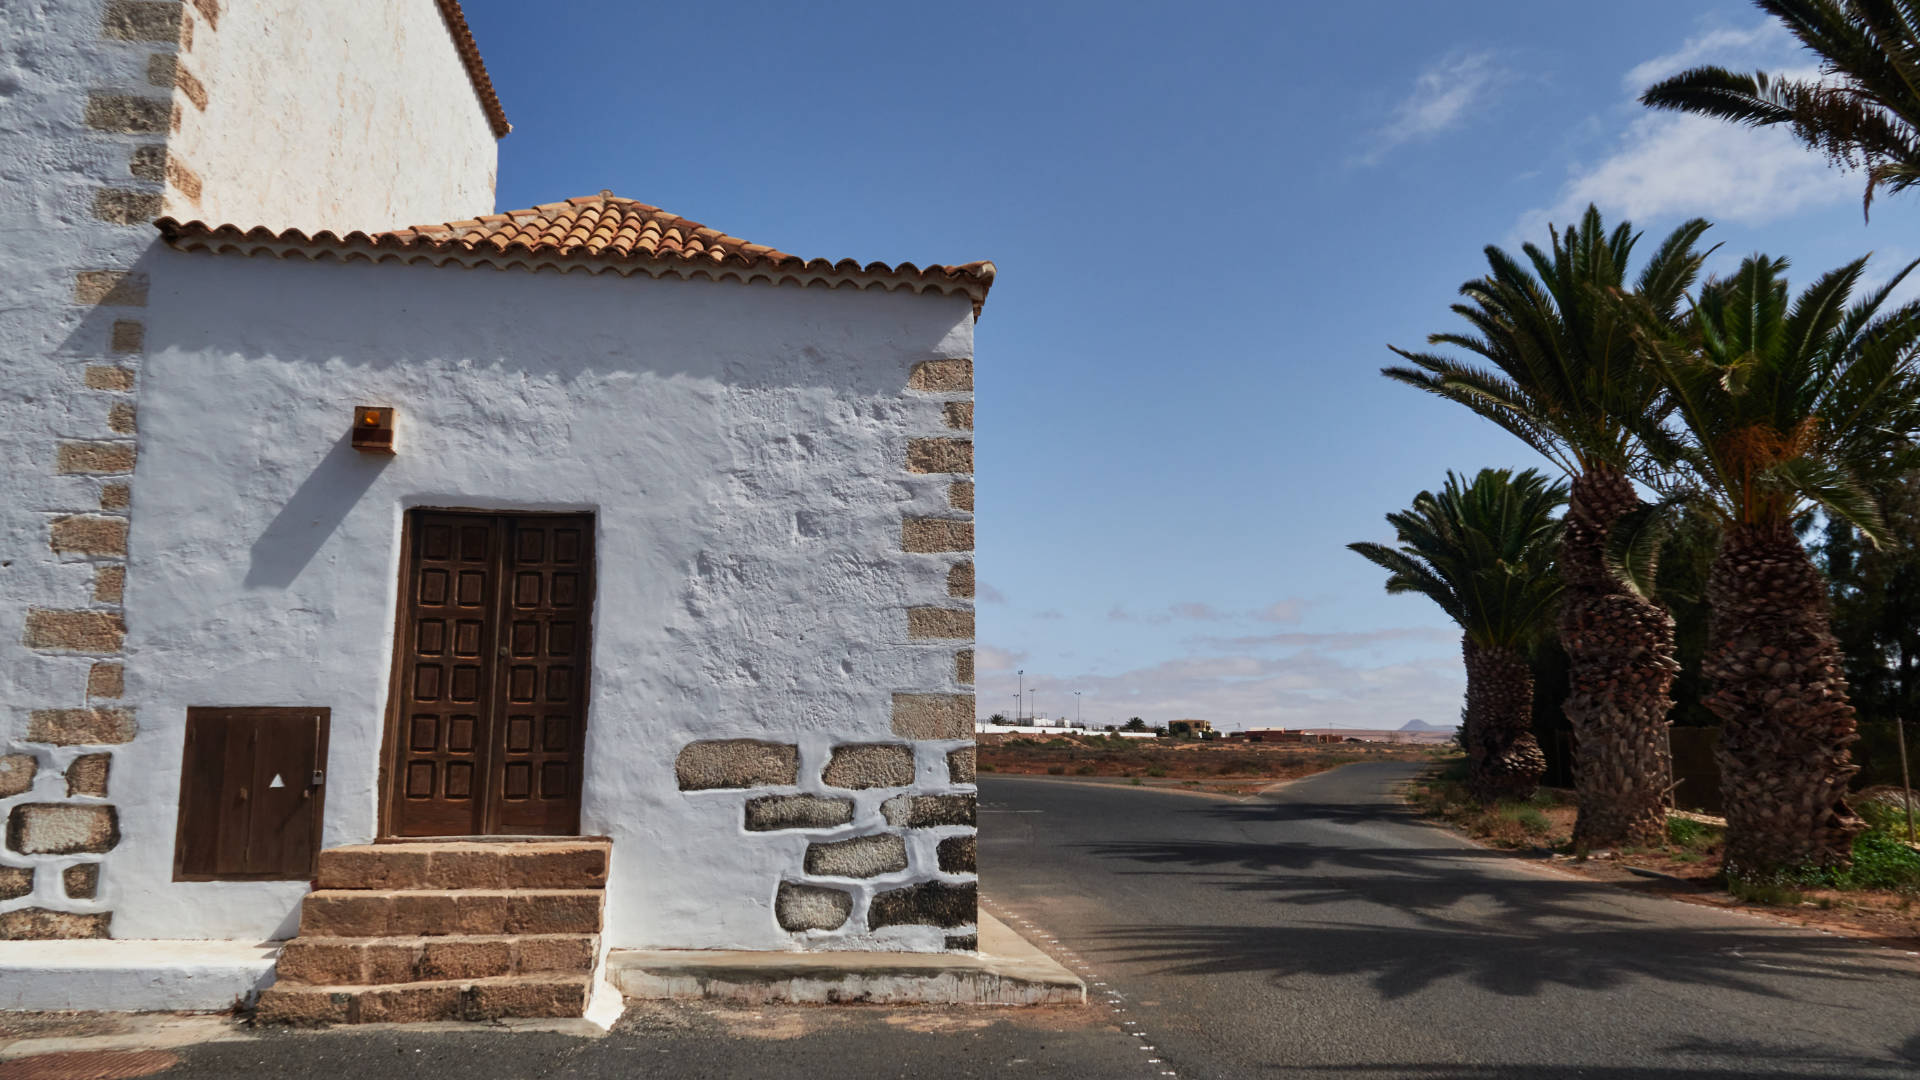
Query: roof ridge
{"points": [[612, 243]]}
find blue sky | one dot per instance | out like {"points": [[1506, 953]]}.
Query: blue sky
{"points": [[1209, 221]]}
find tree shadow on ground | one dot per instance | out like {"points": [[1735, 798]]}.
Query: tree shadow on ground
{"points": [[1416, 916]]}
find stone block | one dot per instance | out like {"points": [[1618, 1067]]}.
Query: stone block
{"points": [[933, 716], [466, 958], [16, 774], [88, 775], [116, 496], [318, 962], [772, 812], [811, 907], [870, 765], [960, 766], [106, 458], [936, 534], [75, 631], [939, 455], [163, 69], [184, 179], [95, 726], [963, 942], [553, 952], [528, 997], [927, 811], [15, 882], [192, 87], [958, 854], [81, 880], [937, 622], [89, 534], [128, 337], [930, 903], [737, 763], [115, 288], [106, 680], [963, 667], [39, 924], [119, 206], [960, 495], [410, 1004], [120, 418], [960, 580], [109, 376], [959, 414], [210, 11], [109, 584], [142, 20], [62, 829], [860, 857], [942, 376], [148, 162]]}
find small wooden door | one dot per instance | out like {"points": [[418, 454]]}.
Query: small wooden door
{"points": [[252, 789], [489, 697]]}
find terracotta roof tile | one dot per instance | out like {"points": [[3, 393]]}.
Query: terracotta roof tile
{"points": [[599, 233], [469, 51]]}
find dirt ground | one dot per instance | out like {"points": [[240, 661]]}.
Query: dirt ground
{"points": [[1214, 765], [1542, 829]]}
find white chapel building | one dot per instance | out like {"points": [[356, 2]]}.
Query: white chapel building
{"points": [[453, 594]]}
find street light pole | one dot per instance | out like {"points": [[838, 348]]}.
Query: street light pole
{"points": [[1077, 716], [1019, 694]]}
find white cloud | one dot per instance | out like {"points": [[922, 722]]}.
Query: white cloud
{"points": [[1282, 611], [987, 594], [987, 659], [1673, 165], [1441, 98], [1723, 47], [1678, 165]]}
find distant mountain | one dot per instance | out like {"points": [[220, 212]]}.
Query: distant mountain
{"points": [[1422, 725]]}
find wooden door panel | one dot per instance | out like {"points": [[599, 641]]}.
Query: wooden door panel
{"points": [[544, 685], [250, 806], [443, 669], [490, 682]]}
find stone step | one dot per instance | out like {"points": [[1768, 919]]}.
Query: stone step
{"points": [[363, 913], [467, 864], [330, 961], [402, 1003]]}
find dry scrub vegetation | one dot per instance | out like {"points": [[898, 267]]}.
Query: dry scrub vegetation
{"points": [[1877, 897], [1214, 765]]}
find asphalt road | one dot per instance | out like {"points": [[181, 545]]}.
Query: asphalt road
{"points": [[1321, 930], [1317, 931]]}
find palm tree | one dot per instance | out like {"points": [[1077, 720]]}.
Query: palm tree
{"points": [[1565, 376], [1781, 409], [1483, 552], [1863, 111]]}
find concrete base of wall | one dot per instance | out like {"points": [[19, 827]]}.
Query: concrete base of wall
{"points": [[132, 976], [1006, 971]]}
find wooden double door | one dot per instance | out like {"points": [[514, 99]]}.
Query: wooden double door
{"points": [[489, 700]]}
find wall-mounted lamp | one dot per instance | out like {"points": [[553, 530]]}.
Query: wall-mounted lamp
{"points": [[373, 429]]}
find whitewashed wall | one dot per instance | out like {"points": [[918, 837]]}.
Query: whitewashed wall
{"points": [[69, 200], [341, 115], [742, 447]]}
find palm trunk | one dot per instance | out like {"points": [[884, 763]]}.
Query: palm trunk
{"points": [[1621, 650], [1781, 693], [1504, 757]]}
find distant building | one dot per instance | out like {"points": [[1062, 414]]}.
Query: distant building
{"points": [[1282, 735], [1190, 729]]}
